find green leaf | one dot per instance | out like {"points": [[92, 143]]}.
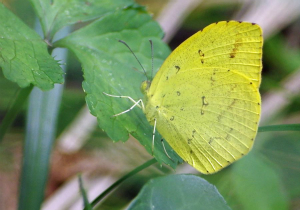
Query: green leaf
{"points": [[111, 68], [55, 15], [283, 150], [252, 183], [257, 184], [14, 109], [23, 54], [178, 192], [40, 134], [223, 182]]}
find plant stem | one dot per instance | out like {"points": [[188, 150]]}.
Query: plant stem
{"points": [[87, 205], [287, 127], [14, 110], [114, 185]]}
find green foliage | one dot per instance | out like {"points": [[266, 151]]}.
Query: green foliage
{"points": [[110, 67], [55, 15], [39, 137], [282, 150], [187, 192], [257, 184], [267, 178], [24, 58]]}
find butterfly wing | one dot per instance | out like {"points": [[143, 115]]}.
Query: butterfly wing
{"points": [[205, 97]]}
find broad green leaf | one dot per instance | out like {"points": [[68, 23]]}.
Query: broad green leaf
{"points": [[111, 68], [23, 54], [174, 192], [55, 15], [251, 183], [257, 184], [283, 150], [223, 182]]}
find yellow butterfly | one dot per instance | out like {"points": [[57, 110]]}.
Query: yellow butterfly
{"points": [[205, 100]]}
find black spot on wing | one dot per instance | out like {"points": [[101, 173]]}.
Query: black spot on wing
{"points": [[201, 54], [177, 68], [204, 104]]}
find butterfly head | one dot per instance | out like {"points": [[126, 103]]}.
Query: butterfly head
{"points": [[145, 86]]}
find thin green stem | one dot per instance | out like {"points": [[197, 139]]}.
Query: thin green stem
{"points": [[87, 205], [117, 183], [287, 127], [14, 110]]}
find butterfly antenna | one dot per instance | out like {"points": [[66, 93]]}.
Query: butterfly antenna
{"points": [[151, 57], [134, 56]]}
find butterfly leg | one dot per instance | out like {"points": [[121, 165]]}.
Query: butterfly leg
{"points": [[153, 136], [162, 141], [135, 104], [128, 97]]}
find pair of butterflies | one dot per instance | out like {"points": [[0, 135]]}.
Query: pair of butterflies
{"points": [[205, 100]]}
